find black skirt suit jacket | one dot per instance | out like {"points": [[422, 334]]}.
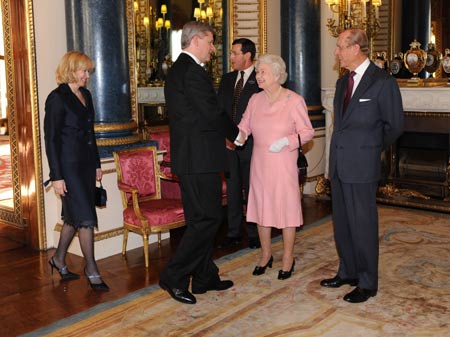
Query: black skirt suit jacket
{"points": [[72, 152]]}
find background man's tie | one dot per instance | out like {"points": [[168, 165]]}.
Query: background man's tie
{"points": [[348, 93], [237, 93]]}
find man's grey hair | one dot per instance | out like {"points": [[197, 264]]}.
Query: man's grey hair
{"points": [[193, 28]]}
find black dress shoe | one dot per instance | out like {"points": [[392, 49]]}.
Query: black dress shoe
{"points": [[359, 295], [283, 275], [259, 270], [337, 281], [229, 242], [254, 243], [219, 285], [183, 296]]}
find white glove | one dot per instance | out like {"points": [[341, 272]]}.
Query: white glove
{"points": [[278, 145]]}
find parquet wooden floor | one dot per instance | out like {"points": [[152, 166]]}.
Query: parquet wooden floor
{"points": [[30, 297]]}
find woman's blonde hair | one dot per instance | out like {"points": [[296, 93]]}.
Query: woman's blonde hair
{"points": [[70, 63], [277, 64]]}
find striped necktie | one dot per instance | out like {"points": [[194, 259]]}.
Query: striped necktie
{"points": [[237, 93]]}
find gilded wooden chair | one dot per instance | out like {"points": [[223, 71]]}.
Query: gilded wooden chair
{"points": [[144, 210]]}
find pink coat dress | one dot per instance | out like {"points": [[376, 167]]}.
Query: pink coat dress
{"points": [[274, 196]]}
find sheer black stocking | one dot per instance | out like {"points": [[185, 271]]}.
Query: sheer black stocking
{"points": [[65, 238], [86, 236]]}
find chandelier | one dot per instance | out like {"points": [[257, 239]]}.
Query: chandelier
{"points": [[361, 14]]}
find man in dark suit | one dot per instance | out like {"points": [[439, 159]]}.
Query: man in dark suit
{"points": [[368, 117], [198, 129], [242, 55]]}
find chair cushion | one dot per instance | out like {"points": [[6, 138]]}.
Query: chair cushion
{"points": [[157, 212]]}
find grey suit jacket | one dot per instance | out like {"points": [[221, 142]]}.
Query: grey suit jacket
{"points": [[373, 121]]}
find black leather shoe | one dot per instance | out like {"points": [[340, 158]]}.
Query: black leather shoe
{"points": [[283, 275], [337, 282], [229, 242], [183, 296], [219, 286], [254, 243], [359, 295], [259, 270]]}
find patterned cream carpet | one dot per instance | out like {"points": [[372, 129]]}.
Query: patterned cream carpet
{"points": [[413, 297]]}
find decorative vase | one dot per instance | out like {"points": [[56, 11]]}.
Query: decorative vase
{"points": [[415, 59], [433, 60], [446, 62], [396, 65]]}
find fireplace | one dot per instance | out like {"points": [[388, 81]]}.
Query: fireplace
{"points": [[417, 165], [416, 169]]}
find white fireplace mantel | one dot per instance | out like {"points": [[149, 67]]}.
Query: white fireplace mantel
{"points": [[151, 95], [423, 99]]}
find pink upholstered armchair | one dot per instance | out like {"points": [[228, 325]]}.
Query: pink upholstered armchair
{"points": [[144, 210]]}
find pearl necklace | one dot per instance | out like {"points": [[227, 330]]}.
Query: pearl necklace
{"points": [[275, 96]]}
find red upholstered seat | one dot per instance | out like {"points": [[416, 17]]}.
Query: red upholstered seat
{"points": [[170, 187], [144, 210]]}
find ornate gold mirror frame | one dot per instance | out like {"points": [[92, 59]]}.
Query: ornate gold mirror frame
{"points": [[246, 18], [23, 124]]}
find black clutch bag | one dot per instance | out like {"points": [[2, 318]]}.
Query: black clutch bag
{"points": [[100, 196], [302, 162]]}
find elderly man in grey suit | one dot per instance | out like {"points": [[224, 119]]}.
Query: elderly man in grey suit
{"points": [[368, 117]]}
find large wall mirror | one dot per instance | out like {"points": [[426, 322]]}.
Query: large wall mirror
{"points": [[158, 25]]}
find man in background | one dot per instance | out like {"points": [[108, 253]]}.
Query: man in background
{"points": [[235, 90], [197, 132]]}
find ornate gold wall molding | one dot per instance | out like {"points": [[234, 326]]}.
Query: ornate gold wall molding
{"points": [[248, 18]]}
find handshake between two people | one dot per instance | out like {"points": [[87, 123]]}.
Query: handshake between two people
{"points": [[239, 141]]}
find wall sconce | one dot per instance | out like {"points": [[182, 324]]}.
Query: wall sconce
{"points": [[354, 14]]}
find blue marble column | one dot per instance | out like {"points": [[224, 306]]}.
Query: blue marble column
{"points": [[300, 49], [99, 29]]}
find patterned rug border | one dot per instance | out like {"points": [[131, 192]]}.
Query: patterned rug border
{"points": [[99, 308]]}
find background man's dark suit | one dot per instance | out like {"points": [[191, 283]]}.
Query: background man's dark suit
{"points": [[238, 159], [372, 121], [197, 143]]}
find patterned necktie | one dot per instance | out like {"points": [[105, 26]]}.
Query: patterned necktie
{"points": [[348, 93], [237, 93]]}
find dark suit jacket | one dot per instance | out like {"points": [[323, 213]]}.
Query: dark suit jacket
{"points": [[226, 93], [373, 121], [69, 131], [198, 127]]}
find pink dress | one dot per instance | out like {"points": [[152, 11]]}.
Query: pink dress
{"points": [[274, 196]]}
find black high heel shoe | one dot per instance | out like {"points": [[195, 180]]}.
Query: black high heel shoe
{"points": [[259, 270], [283, 275], [66, 275], [96, 286]]}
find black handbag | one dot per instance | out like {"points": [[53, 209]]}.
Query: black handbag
{"points": [[302, 162], [100, 196]]}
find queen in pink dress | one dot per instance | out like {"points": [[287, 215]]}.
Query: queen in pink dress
{"points": [[274, 117]]}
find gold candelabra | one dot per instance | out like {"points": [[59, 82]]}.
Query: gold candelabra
{"points": [[362, 14], [150, 41], [210, 11]]}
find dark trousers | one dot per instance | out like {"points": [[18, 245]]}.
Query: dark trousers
{"points": [[355, 218], [201, 195], [238, 184]]}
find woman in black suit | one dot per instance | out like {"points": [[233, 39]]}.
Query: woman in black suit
{"points": [[74, 162]]}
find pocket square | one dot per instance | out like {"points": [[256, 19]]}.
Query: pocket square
{"points": [[365, 99]]}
